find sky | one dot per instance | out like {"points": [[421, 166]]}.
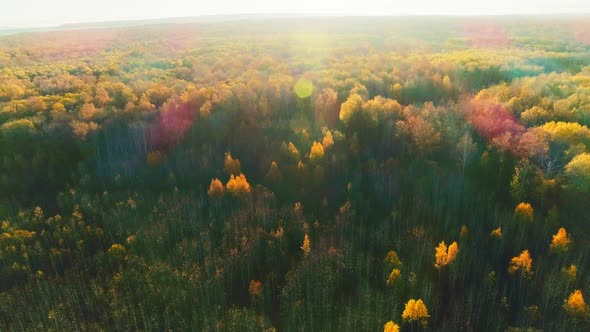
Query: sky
{"points": [[42, 13]]}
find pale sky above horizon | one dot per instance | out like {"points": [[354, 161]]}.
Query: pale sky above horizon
{"points": [[41, 13]]}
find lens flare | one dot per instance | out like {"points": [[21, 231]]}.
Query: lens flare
{"points": [[303, 88]]}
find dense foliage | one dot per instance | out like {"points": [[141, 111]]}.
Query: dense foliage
{"points": [[297, 174]]}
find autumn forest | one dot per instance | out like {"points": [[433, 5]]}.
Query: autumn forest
{"points": [[297, 174]]}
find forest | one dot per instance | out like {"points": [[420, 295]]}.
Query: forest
{"points": [[297, 174]]}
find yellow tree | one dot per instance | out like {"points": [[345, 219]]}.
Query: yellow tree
{"points": [[351, 106], [444, 256], [89, 112], [317, 152], [36, 104], [575, 306], [391, 327], [144, 104], [58, 108], [101, 95], [570, 272], [560, 241], [306, 246], [158, 94], [395, 274], [328, 140], [524, 211], [238, 185], [578, 173], [215, 188], [290, 151], [415, 310], [497, 233], [522, 263]]}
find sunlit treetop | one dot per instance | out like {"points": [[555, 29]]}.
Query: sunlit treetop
{"points": [[415, 310], [306, 246], [327, 141], [575, 305], [443, 255], [215, 188], [391, 327], [524, 211], [578, 173], [351, 106], [18, 125], [522, 263], [570, 272], [291, 151], [497, 233], [570, 133], [393, 276], [317, 152], [560, 241], [238, 185]]}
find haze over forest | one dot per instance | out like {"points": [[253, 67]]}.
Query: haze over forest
{"points": [[296, 172]]}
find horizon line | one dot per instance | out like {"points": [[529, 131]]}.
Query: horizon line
{"points": [[239, 16]]}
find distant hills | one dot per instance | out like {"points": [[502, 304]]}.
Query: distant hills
{"points": [[225, 18], [155, 21], [180, 20]]}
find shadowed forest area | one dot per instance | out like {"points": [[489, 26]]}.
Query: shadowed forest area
{"points": [[297, 174]]}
